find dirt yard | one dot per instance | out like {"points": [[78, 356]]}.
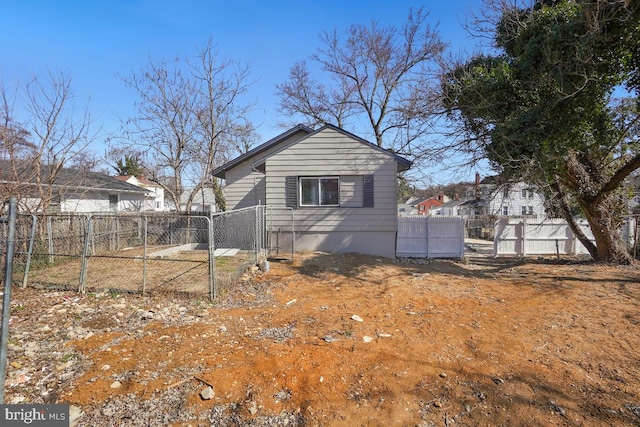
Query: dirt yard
{"points": [[344, 341]]}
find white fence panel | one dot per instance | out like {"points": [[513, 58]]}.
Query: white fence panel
{"points": [[430, 237], [412, 237], [522, 237]]}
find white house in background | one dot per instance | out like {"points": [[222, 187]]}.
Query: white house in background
{"points": [[488, 197], [514, 200], [203, 201], [155, 192], [72, 190], [406, 210], [450, 208]]}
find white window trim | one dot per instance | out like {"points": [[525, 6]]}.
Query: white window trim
{"points": [[317, 178]]}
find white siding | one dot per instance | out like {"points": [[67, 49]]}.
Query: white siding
{"points": [[514, 201], [99, 202], [85, 203]]}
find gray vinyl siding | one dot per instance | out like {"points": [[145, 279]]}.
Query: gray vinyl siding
{"points": [[351, 191], [331, 153], [244, 186]]}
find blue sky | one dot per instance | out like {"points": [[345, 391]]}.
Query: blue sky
{"points": [[95, 41]]}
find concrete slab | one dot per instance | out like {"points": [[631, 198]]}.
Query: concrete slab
{"points": [[226, 252], [165, 253], [478, 248]]}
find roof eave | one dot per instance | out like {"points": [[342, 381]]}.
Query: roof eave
{"points": [[221, 171]]}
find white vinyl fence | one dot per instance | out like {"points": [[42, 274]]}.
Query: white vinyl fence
{"points": [[552, 236], [430, 237]]}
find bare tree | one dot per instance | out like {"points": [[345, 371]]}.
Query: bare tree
{"points": [[382, 76], [187, 113], [53, 134]]}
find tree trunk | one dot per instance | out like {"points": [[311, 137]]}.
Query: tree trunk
{"points": [[565, 210], [583, 238], [605, 225]]}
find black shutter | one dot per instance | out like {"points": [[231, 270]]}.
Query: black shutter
{"points": [[367, 195], [291, 192]]}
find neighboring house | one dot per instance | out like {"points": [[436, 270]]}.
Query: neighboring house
{"points": [[488, 197], [406, 209], [473, 207], [154, 191], [203, 201], [450, 208], [72, 190], [423, 207], [514, 200], [341, 187]]}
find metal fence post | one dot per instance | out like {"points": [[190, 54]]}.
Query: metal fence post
{"points": [[293, 233], [256, 234], [144, 254], [50, 239], [6, 298], [213, 290], [85, 255], [263, 232], [32, 237]]}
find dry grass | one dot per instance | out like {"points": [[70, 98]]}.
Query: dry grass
{"points": [[127, 271]]}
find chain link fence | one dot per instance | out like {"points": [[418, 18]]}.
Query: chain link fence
{"points": [[146, 253]]}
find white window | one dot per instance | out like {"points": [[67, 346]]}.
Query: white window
{"points": [[527, 210], [524, 193], [505, 210], [321, 191]]}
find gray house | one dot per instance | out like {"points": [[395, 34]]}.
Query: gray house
{"points": [[342, 188]]}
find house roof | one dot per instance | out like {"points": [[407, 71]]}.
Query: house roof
{"points": [[66, 178], [452, 203], [403, 164], [474, 203], [220, 171], [429, 200], [142, 180]]}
